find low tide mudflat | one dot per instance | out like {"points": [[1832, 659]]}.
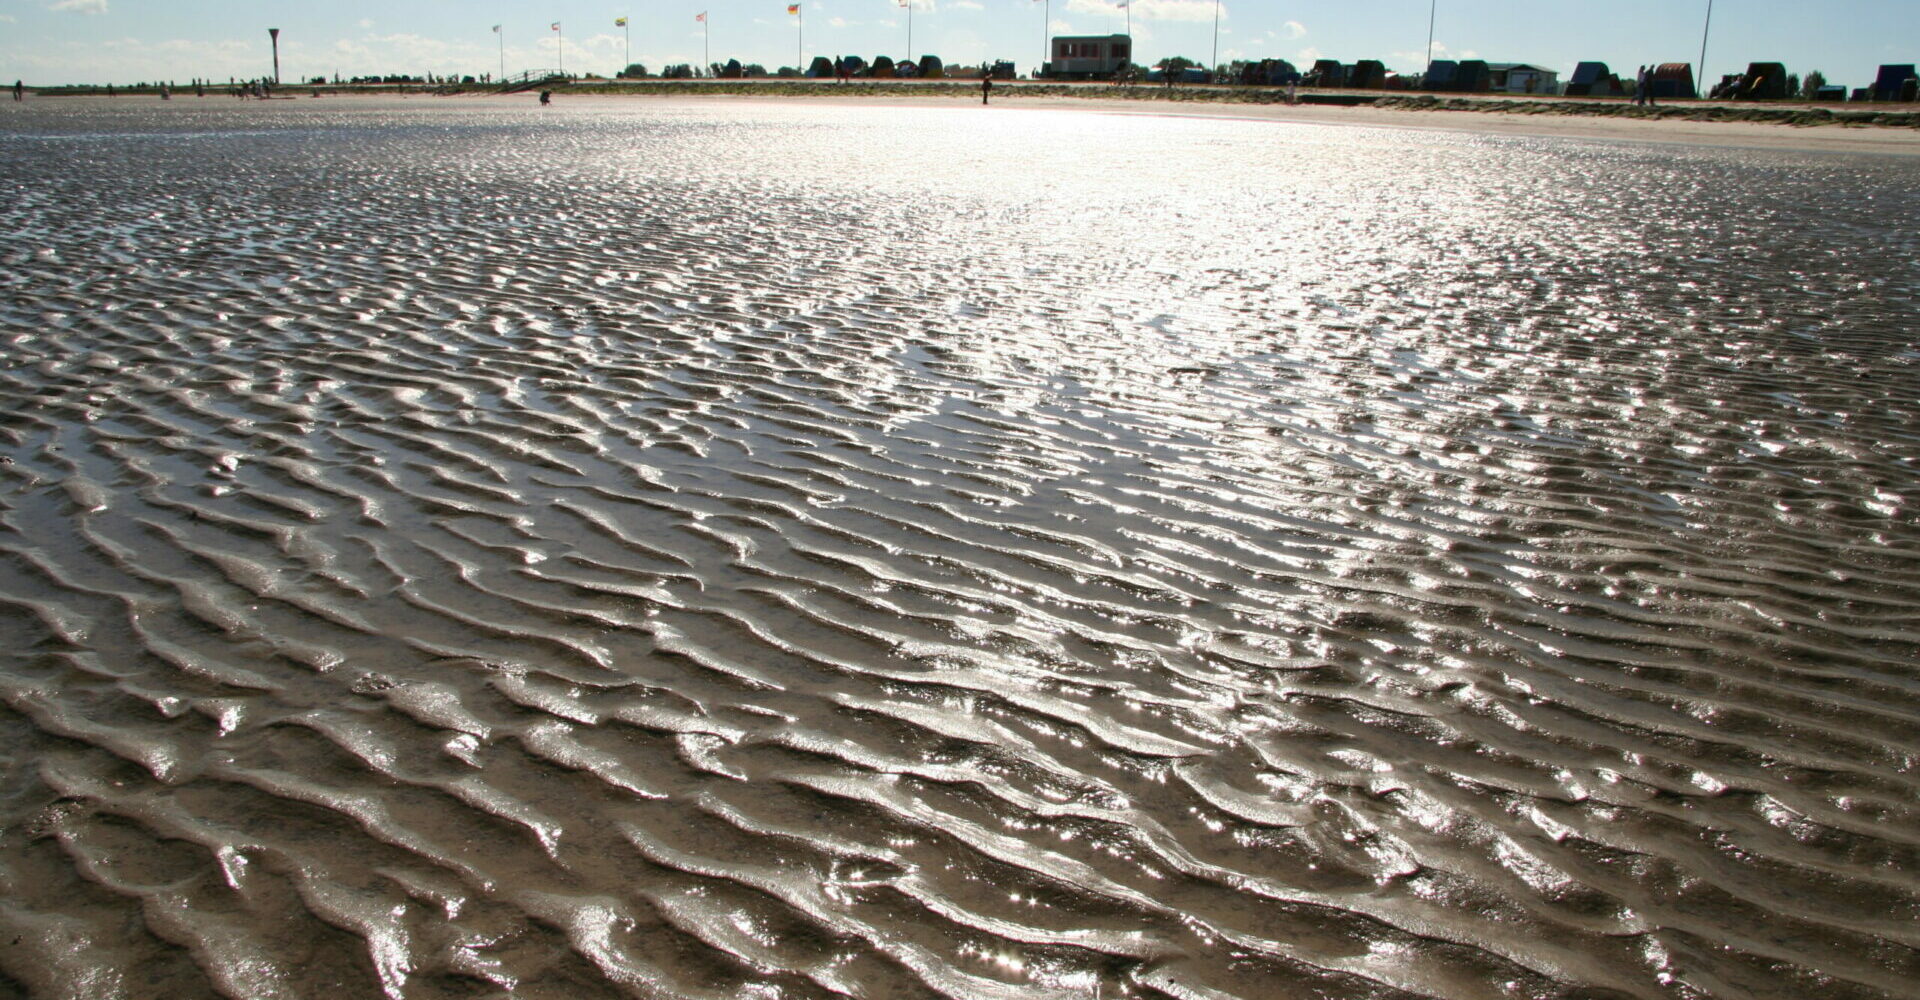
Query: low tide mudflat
{"points": [[791, 550]]}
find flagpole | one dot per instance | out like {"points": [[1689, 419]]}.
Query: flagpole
{"points": [[1046, 50], [1433, 13], [1216, 40], [1700, 87], [503, 52], [626, 29], [800, 40], [706, 42], [560, 41]]}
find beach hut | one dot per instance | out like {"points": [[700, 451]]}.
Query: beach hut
{"points": [[1440, 74], [1279, 72], [1474, 76], [1268, 73], [1888, 86], [1674, 81], [1368, 74], [1594, 79], [1522, 78], [1328, 73], [1764, 82], [1083, 57]]}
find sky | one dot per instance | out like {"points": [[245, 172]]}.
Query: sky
{"points": [[50, 42]]}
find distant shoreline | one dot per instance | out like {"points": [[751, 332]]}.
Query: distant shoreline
{"points": [[1803, 114], [1724, 126]]}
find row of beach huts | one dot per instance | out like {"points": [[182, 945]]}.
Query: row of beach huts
{"points": [[1099, 57]]}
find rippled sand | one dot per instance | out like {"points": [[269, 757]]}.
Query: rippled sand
{"points": [[782, 551]]}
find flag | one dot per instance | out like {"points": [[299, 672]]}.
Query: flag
{"points": [[619, 22], [793, 8], [555, 26], [700, 16], [496, 29]]}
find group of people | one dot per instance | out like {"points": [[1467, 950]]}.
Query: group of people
{"points": [[1643, 87]]}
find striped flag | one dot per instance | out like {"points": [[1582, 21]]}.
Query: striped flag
{"points": [[619, 22], [700, 16], [793, 8], [555, 26]]}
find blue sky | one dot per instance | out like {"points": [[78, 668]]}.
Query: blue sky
{"points": [[97, 41]]}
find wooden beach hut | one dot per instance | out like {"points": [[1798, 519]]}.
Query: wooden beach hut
{"points": [[1368, 74], [1327, 73], [1474, 76], [1594, 79], [1891, 84], [1674, 81], [1764, 82]]}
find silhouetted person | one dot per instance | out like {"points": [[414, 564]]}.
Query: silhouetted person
{"points": [[19, 91], [546, 97], [986, 88]]}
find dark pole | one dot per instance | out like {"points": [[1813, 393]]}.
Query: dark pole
{"points": [[274, 33], [1433, 12], [1216, 39], [1700, 86]]}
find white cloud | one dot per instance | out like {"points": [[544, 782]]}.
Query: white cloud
{"points": [[969, 5], [1294, 30], [8, 19], [838, 22], [81, 6], [1152, 10]]}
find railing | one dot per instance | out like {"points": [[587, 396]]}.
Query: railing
{"points": [[529, 79]]}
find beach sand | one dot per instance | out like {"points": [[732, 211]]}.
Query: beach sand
{"points": [[739, 547], [1010, 97]]}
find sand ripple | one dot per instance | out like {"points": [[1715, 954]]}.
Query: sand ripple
{"points": [[774, 551]]}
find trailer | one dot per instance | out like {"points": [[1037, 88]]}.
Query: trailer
{"points": [[1089, 57]]}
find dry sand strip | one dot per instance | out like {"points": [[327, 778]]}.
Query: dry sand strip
{"points": [[1016, 97], [1741, 135]]}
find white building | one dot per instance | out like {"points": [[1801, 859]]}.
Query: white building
{"points": [[1523, 78]]}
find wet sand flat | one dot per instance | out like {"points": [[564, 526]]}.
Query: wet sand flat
{"points": [[810, 548]]}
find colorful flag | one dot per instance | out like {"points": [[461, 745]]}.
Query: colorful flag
{"points": [[496, 29], [793, 8], [555, 26], [700, 16], [619, 22]]}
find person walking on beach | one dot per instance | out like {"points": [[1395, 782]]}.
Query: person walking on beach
{"points": [[986, 87], [19, 91]]}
